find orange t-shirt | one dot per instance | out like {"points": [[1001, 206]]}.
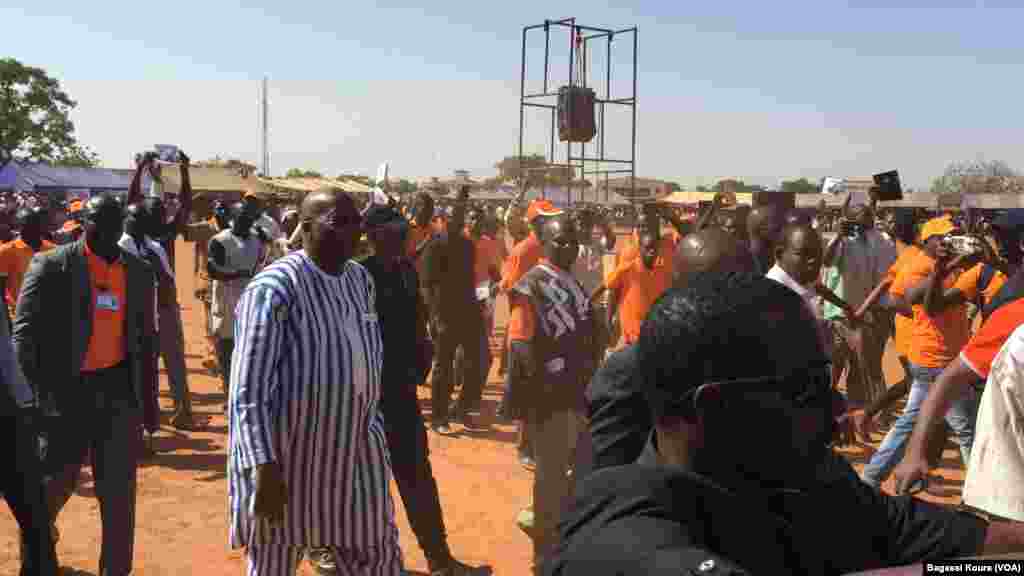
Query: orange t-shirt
{"points": [[967, 284], [638, 288], [981, 351], [935, 342], [666, 251], [486, 256], [106, 344], [904, 325], [15, 256], [524, 256]]}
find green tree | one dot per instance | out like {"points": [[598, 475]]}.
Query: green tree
{"points": [[35, 121], [703, 188], [405, 187], [300, 173], [675, 187], [801, 186], [730, 185], [979, 177]]}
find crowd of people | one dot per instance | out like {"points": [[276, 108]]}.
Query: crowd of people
{"points": [[680, 413]]}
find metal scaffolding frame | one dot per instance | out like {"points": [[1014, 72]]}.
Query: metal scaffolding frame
{"points": [[578, 164]]}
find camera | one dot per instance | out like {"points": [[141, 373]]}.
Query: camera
{"points": [[962, 245]]}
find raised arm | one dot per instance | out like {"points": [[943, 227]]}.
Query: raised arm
{"points": [[184, 196]]}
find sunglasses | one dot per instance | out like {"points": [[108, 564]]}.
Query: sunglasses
{"points": [[808, 388]]}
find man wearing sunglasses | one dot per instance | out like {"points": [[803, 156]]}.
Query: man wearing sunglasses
{"points": [[705, 498]]}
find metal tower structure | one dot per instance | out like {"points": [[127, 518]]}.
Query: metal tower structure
{"points": [[577, 162], [264, 115]]}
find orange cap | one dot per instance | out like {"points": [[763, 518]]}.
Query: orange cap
{"points": [[541, 208], [75, 206], [70, 226], [937, 227]]}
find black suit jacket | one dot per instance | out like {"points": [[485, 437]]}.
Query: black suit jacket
{"points": [[53, 323]]}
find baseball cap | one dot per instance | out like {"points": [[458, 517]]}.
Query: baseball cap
{"points": [[541, 208], [937, 227], [75, 206], [381, 216]]}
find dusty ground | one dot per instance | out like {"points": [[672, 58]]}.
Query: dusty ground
{"points": [[182, 503]]}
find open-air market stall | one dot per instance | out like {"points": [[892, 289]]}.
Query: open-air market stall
{"points": [[210, 184], [291, 191]]}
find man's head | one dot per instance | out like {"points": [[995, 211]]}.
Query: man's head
{"points": [[764, 223], [385, 229], [423, 209], [714, 364], [585, 220], [797, 218], [862, 215], [254, 203], [707, 250], [648, 230], [561, 242], [31, 222], [103, 220], [903, 227], [729, 223], [799, 253], [934, 232], [153, 214], [242, 217], [475, 222], [330, 226], [537, 213], [135, 221], [1008, 231]]}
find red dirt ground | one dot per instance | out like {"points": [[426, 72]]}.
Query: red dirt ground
{"points": [[181, 523]]}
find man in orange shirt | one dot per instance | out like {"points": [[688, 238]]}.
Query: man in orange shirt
{"points": [[936, 341], [81, 335], [16, 254], [637, 283], [421, 230], [1004, 315], [487, 262]]}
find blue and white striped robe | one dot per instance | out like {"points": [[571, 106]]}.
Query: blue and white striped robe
{"points": [[305, 380]]}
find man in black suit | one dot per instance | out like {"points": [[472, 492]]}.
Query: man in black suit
{"points": [[83, 335], [21, 481]]}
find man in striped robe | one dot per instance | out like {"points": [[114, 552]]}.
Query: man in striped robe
{"points": [[308, 464]]}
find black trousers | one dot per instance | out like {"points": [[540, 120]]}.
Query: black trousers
{"points": [[21, 482], [464, 332], [107, 423], [410, 465]]}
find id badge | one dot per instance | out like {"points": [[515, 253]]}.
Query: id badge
{"points": [[107, 301]]}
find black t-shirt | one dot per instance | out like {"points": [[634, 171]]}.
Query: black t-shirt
{"points": [[448, 264], [650, 519], [398, 302]]}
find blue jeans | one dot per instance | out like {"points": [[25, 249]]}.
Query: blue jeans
{"points": [[961, 417]]}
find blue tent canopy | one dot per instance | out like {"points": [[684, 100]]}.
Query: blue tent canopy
{"points": [[31, 176]]}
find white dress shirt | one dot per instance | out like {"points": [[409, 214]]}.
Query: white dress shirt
{"points": [[129, 245], [805, 292]]}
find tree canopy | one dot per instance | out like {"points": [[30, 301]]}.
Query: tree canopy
{"points": [[300, 173], [35, 121], [978, 177], [801, 186]]}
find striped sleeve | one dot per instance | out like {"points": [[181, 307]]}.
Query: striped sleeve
{"points": [[255, 388]]}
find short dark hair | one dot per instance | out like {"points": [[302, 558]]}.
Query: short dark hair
{"points": [[721, 326]]}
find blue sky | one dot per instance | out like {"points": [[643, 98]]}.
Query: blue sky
{"points": [[757, 90]]}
